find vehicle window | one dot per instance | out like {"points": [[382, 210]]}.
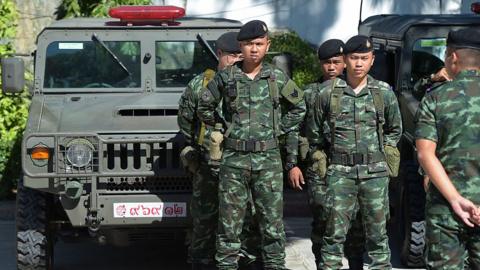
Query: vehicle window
{"points": [[92, 64], [427, 57], [177, 62], [383, 68]]}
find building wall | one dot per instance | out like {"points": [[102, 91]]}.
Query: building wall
{"points": [[316, 20]]}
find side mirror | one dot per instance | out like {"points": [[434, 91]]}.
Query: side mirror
{"points": [[284, 62], [13, 75]]}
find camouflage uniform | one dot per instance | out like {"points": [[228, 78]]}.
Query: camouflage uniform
{"points": [[317, 192], [251, 160], [204, 201], [358, 172], [450, 116]]}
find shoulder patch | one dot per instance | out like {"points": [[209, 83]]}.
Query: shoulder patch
{"points": [[291, 92]]}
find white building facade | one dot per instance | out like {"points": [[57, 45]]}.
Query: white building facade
{"points": [[316, 20]]}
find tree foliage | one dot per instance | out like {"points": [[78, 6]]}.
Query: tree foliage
{"points": [[92, 8], [13, 108], [306, 68]]}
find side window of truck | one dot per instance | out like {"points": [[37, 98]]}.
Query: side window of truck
{"points": [[427, 59], [384, 66]]}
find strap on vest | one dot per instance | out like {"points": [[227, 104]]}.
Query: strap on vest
{"points": [[275, 97], [207, 77], [335, 98], [232, 87], [379, 104]]}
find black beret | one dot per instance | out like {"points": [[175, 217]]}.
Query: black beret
{"points": [[228, 42], [330, 48], [252, 29], [358, 44], [468, 38]]}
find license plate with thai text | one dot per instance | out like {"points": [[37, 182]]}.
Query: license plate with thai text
{"points": [[149, 209]]}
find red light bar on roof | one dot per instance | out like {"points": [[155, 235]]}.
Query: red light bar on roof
{"points": [[476, 7], [147, 13]]}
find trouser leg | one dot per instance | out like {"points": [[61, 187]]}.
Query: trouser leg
{"points": [[233, 197], [341, 198], [204, 212], [373, 207], [267, 193]]}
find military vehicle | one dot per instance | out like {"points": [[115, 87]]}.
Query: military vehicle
{"points": [[407, 49], [101, 146]]}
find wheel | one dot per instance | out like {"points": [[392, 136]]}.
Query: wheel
{"points": [[413, 246], [34, 237]]}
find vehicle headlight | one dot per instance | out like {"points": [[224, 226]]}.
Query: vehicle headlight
{"points": [[79, 152]]}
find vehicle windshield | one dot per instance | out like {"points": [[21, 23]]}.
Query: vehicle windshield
{"points": [[177, 62], [87, 64], [427, 57]]}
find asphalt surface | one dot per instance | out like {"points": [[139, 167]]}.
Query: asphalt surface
{"points": [[170, 256]]}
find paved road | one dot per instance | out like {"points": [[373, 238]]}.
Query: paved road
{"points": [[87, 255]]}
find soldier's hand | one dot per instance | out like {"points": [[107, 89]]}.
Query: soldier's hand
{"points": [[468, 212], [295, 178], [440, 76]]}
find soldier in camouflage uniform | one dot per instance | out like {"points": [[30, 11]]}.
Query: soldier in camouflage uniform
{"points": [[447, 139], [259, 103], [330, 54], [365, 126], [204, 202]]}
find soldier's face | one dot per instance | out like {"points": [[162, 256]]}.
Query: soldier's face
{"points": [[254, 50], [359, 64], [332, 67], [226, 59]]}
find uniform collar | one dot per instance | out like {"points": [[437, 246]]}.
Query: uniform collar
{"points": [[265, 71], [371, 84], [467, 73]]}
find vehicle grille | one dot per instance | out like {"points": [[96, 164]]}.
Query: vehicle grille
{"points": [[176, 184], [162, 158]]}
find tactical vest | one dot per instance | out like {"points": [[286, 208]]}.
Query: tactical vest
{"points": [[233, 104], [334, 111]]}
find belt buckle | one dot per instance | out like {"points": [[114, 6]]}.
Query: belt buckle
{"points": [[358, 158], [250, 145]]}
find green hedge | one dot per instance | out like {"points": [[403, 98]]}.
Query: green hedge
{"points": [[306, 68], [13, 108]]}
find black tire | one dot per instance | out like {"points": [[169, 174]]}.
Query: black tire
{"points": [[413, 246], [34, 237]]}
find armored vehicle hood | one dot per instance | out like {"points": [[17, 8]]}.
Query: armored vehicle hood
{"points": [[117, 113]]}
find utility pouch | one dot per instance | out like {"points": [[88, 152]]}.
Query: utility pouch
{"points": [[319, 159], [392, 156], [303, 148]]}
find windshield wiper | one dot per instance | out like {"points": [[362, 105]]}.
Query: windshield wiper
{"points": [[115, 58]]}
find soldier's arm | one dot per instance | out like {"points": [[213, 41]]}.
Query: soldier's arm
{"points": [[209, 99], [393, 120], [291, 120], [187, 114], [315, 121]]}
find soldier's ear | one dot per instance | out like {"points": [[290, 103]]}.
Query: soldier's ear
{"points": [[373, 59], [268, 43]]}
